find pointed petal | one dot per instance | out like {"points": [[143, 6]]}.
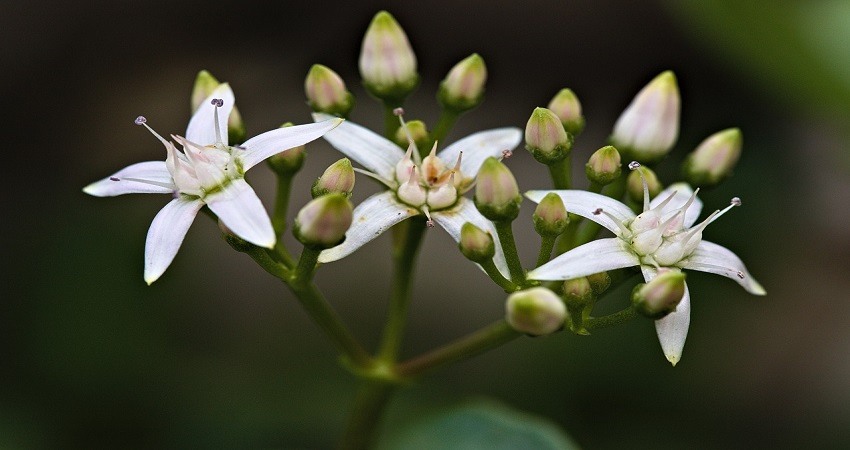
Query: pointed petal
{"points": [[371, 150], [479, 146], [201, 129], [371, 218], [594, 257], [154, 171], [239, 208], [166, 233], [585, 203], [672, 329], [452, 221], [260, 147], [683, 194], [712, 258]]}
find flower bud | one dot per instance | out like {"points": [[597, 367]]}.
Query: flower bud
{"points": [[322, 223], [603, 167], [496, 192], [288, 161], [550, 218], [579, 299], [648, 128], [546, 138], [387, 62], [661, 295], [338, 177], [418, 131], [463, 87], [599, 282], [326, 92], [566, 105], [714, 158], [634, 184], [476, 244], [536, 311], [205, 84]]}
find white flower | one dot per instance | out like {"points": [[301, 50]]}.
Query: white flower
{"points": [[207, 172], [663, 235], [433, 186]]}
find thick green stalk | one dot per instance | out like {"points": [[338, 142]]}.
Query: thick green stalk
{"points": [[364, 420], [445, 122], [547, 243], [561, 173], [490, 268], [610, 320], [506, 238], [284, 186]]}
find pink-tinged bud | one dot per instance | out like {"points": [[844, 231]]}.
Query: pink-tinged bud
{"points": [[634, 184], [387, 62], [496, 192], [536, 311], [550, 218], [337, 178], [463, 87], [648, 128], [714, 158], [326, 92], [599, 282], [661, 295], [603, 167], [288, 161], [205, 84], [566, 105], [418, 131], [546, 138], [476, 244], [579, 299], [322, 223]]}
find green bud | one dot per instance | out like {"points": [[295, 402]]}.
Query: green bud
{"points": [[714, 158], [599, 282], [326, 92], [463, 87], [496, 192], [322, 223], [649, 126], [289, 161], [476, 244], [387, 62], [603, 167], [634, 184], [550, 218], [579, 299], [205, 84], [337, 178], [546, 138], [418, 131], [536, 311], [661, 295], [566, 105]]}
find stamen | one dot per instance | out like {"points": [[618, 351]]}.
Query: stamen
{"points": [[634, 165], [400, 112], [386, 183], [428, 223], [114, 179], [218, 103], [732, 203], [623, 228], [151, 182], [141, 120], [507, 154]]}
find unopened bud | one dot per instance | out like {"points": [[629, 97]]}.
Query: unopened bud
{"points": [[546, 138], [496, 192], [714, 158], [337, 178], [661, 295], [205, 84], [288, 161], [566, 105], [536, 311], [634, 184], [418, 131], [322, 223], [387, 62], [550, 218], [476, 244], [648, 128], [599, 282], [579, 299], [603, 167], [463, 87], [326, 92]]}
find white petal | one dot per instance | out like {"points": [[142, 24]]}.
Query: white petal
{"points": [[371, 150], [672, 329], [371, 218], [452, 221], [712, 258], [594, 257], [166, 233], [260, 147], [201, 129], [479, 146], [683, 194], [154, 171], [585, 203], [239, 208]]}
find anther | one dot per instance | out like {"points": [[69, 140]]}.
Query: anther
{"points": [[634, 165], [140, 120], [114, 179], [507, 154], [740, 275], [597, 211], [429, 223], [217, 102], [736, 201], [398, 111]]}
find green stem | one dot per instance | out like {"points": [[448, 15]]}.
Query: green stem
{"points": [[610, 320], [490, 268], [369, 404], [445, 122], [547, 243], [561, 173], [284, 185], [506, 238], [489, 337]]}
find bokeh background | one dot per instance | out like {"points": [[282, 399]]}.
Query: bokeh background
{"points": [[216, 354]]}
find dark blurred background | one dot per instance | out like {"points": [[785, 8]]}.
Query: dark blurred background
{"points": [[216, 354]]}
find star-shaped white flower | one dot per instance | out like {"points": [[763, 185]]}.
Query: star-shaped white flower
{"points": [[433, 186], [663, 235], [207, 172]]}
